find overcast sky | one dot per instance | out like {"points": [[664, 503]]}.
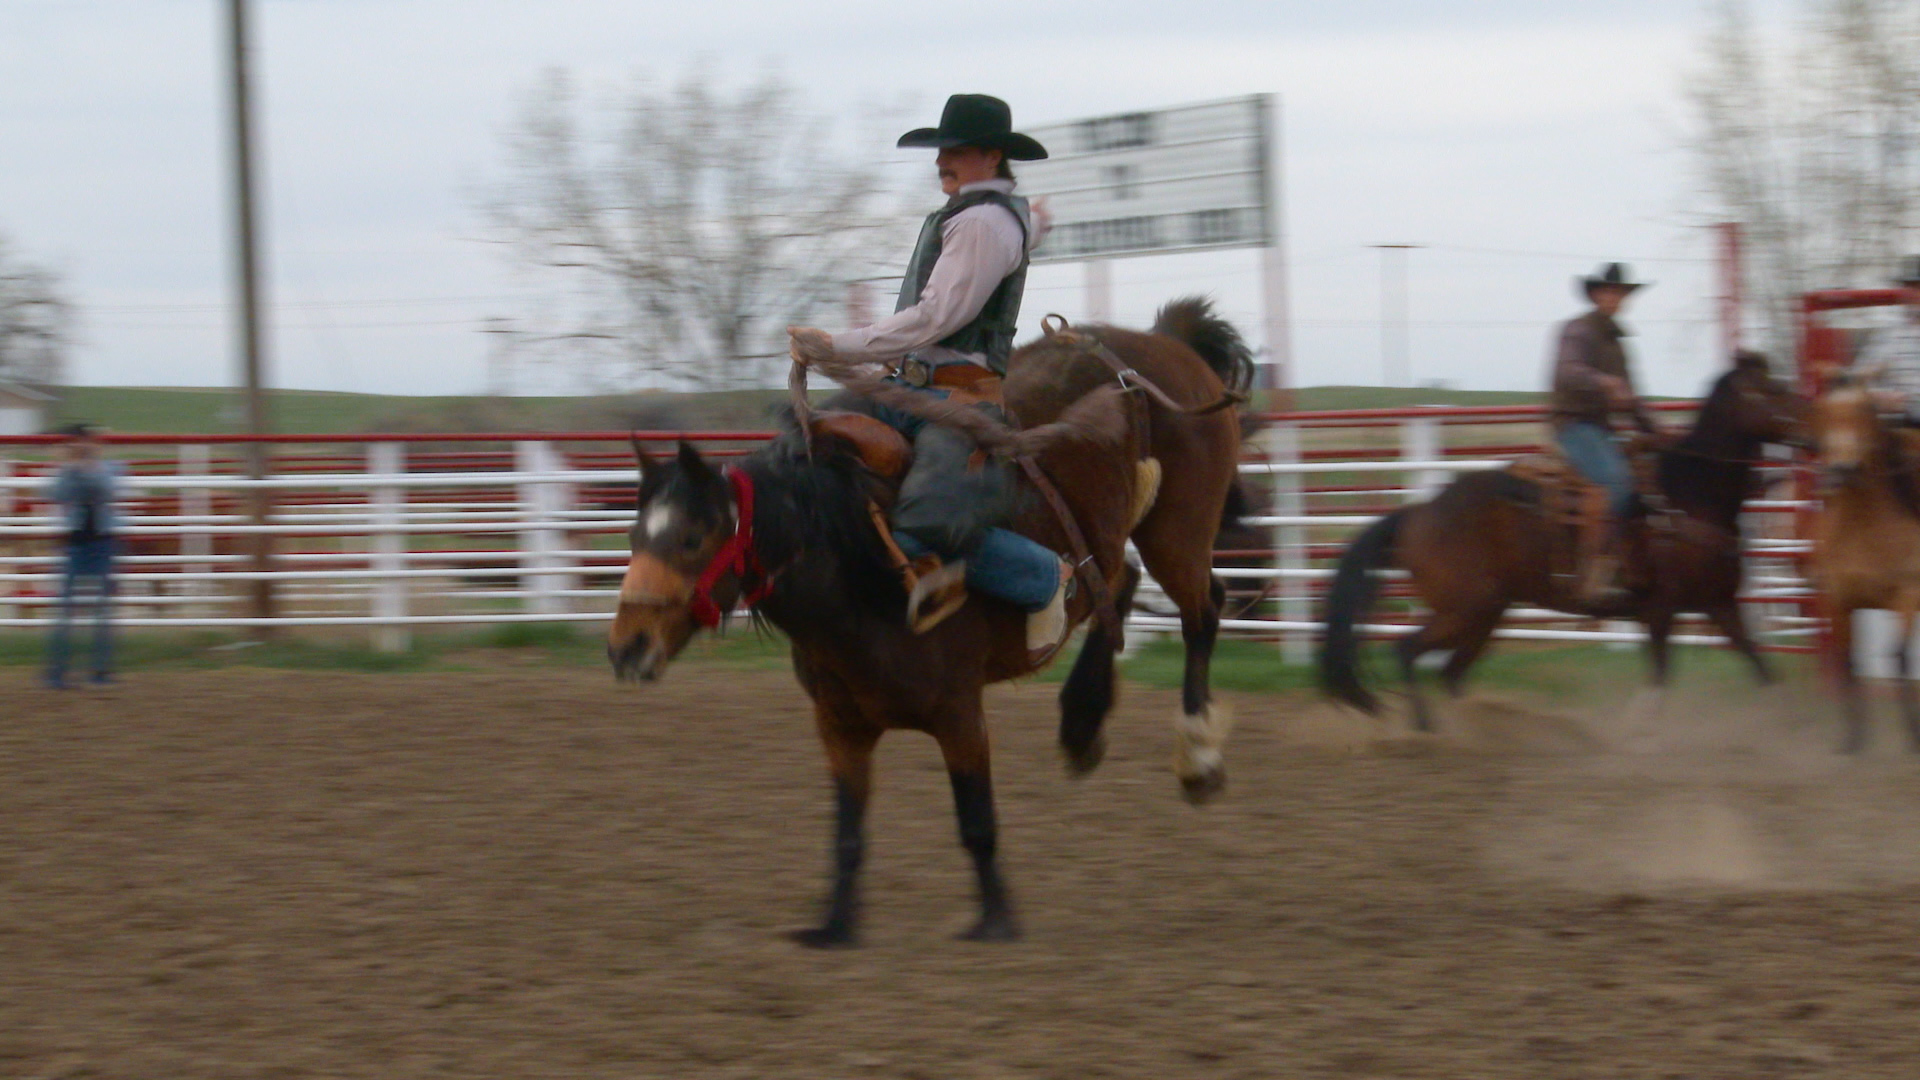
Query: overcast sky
{"points": [[1524, 142]]}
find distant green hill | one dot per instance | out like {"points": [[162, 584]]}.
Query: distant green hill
{"points": [[1393, 397], [168, 410]]}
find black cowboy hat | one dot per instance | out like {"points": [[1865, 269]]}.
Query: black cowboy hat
{"points": [[976, 120], [1909, 271], [1611, 276]]}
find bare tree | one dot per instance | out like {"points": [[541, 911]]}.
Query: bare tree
{"points": [[1812, 141], [681, 231], [35, 323]]}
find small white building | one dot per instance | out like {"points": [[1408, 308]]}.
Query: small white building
{"points": [[23, 410]]}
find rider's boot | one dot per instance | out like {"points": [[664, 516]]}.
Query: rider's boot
{"points": [[1047, 628], [1007, 566], [1601, 583]]}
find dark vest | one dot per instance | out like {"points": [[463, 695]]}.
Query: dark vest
{"points": [[991, 332]]}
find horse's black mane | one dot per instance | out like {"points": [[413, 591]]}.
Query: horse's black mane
{"points": [[1708, 469], [811, 515]]}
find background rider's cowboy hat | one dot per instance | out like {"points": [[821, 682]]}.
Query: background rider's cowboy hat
{"points": [[976, 120], [1611, 276], [1909, 274]]}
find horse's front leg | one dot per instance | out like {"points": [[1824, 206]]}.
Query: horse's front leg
{"points": [[1733, 624], [963, 742], [1855, 739], [1902, 649], [849, 743]]}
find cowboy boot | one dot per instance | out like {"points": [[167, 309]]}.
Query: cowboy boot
{"points": [[1600, 584], [1604, 584], [1047, 628]]}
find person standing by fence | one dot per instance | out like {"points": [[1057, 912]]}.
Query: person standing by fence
{"points": [[85, 490]]}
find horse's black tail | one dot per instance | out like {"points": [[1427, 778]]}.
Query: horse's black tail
{"points": [[1348, 601], [1192, 321]]}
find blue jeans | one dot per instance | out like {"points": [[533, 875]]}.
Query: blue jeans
{"points": [[1004, 564], [949, 506], [87, 560], [1593, 451]]}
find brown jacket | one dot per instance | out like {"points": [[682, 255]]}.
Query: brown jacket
{"points": [[1589, 346]]}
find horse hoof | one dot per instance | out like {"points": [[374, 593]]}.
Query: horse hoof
{"points": [[823, 937], [1086, 759], [992, 929], [1203, 789]]}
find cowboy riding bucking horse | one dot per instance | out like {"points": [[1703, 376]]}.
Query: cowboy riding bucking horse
{"points": [[950, 335]]}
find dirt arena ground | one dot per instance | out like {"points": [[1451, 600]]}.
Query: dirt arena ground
{"points": [[531, 872]]}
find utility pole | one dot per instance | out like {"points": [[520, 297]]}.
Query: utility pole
{"points": [[1396, 361], [1099, 290], [1729, 258], [259, 501]]}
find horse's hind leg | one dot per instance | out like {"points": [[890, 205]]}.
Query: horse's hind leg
{"points": [[1462, 631], [963, 742], [849, 743], [1087, 696], [1408, 650], [1469, 649]]}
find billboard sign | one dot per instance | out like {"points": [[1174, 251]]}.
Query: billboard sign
{"points": [[1187, 178]]}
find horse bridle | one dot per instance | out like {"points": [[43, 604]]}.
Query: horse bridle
{"points": [[737, 556]]}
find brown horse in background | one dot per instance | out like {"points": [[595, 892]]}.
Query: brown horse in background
{"points": [[1484, 544], [791, 532], [1866, 543]]}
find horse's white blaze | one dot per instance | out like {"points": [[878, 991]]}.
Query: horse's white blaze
{"points": [[1199, 742], [658, 520]]}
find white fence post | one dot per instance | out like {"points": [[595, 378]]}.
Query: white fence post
{"points": [[389, 546], [564, 498], [11, 547], [1420, 441], [1290, 542], [196, 544], [537, 536]]}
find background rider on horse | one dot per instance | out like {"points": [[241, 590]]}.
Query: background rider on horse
{"points": [[1592, 385], [950, 335], [1892, 355]]}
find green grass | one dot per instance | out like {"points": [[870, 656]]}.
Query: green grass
{"points": [[565, 644], [1552, 671]]}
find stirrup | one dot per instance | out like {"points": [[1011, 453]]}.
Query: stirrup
{"points": [[935, 594]]}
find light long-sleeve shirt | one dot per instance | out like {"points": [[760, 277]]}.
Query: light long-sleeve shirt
{"points": [[979, 247], [1898, 349]]}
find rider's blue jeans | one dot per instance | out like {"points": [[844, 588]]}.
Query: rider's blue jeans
{"points": [[949, 506], [87, 561], [1594, 452]]}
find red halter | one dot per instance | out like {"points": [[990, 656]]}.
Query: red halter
{"points": [[735, 557]]}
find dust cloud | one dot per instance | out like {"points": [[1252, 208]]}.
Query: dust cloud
{"points": [[1715, 789]]}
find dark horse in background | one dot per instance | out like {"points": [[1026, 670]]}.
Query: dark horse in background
{"points": [[1484, 544], [808, 559]]}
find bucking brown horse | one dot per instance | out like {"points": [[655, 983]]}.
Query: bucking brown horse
{"points": [[790, 531], [1484, 544]]}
